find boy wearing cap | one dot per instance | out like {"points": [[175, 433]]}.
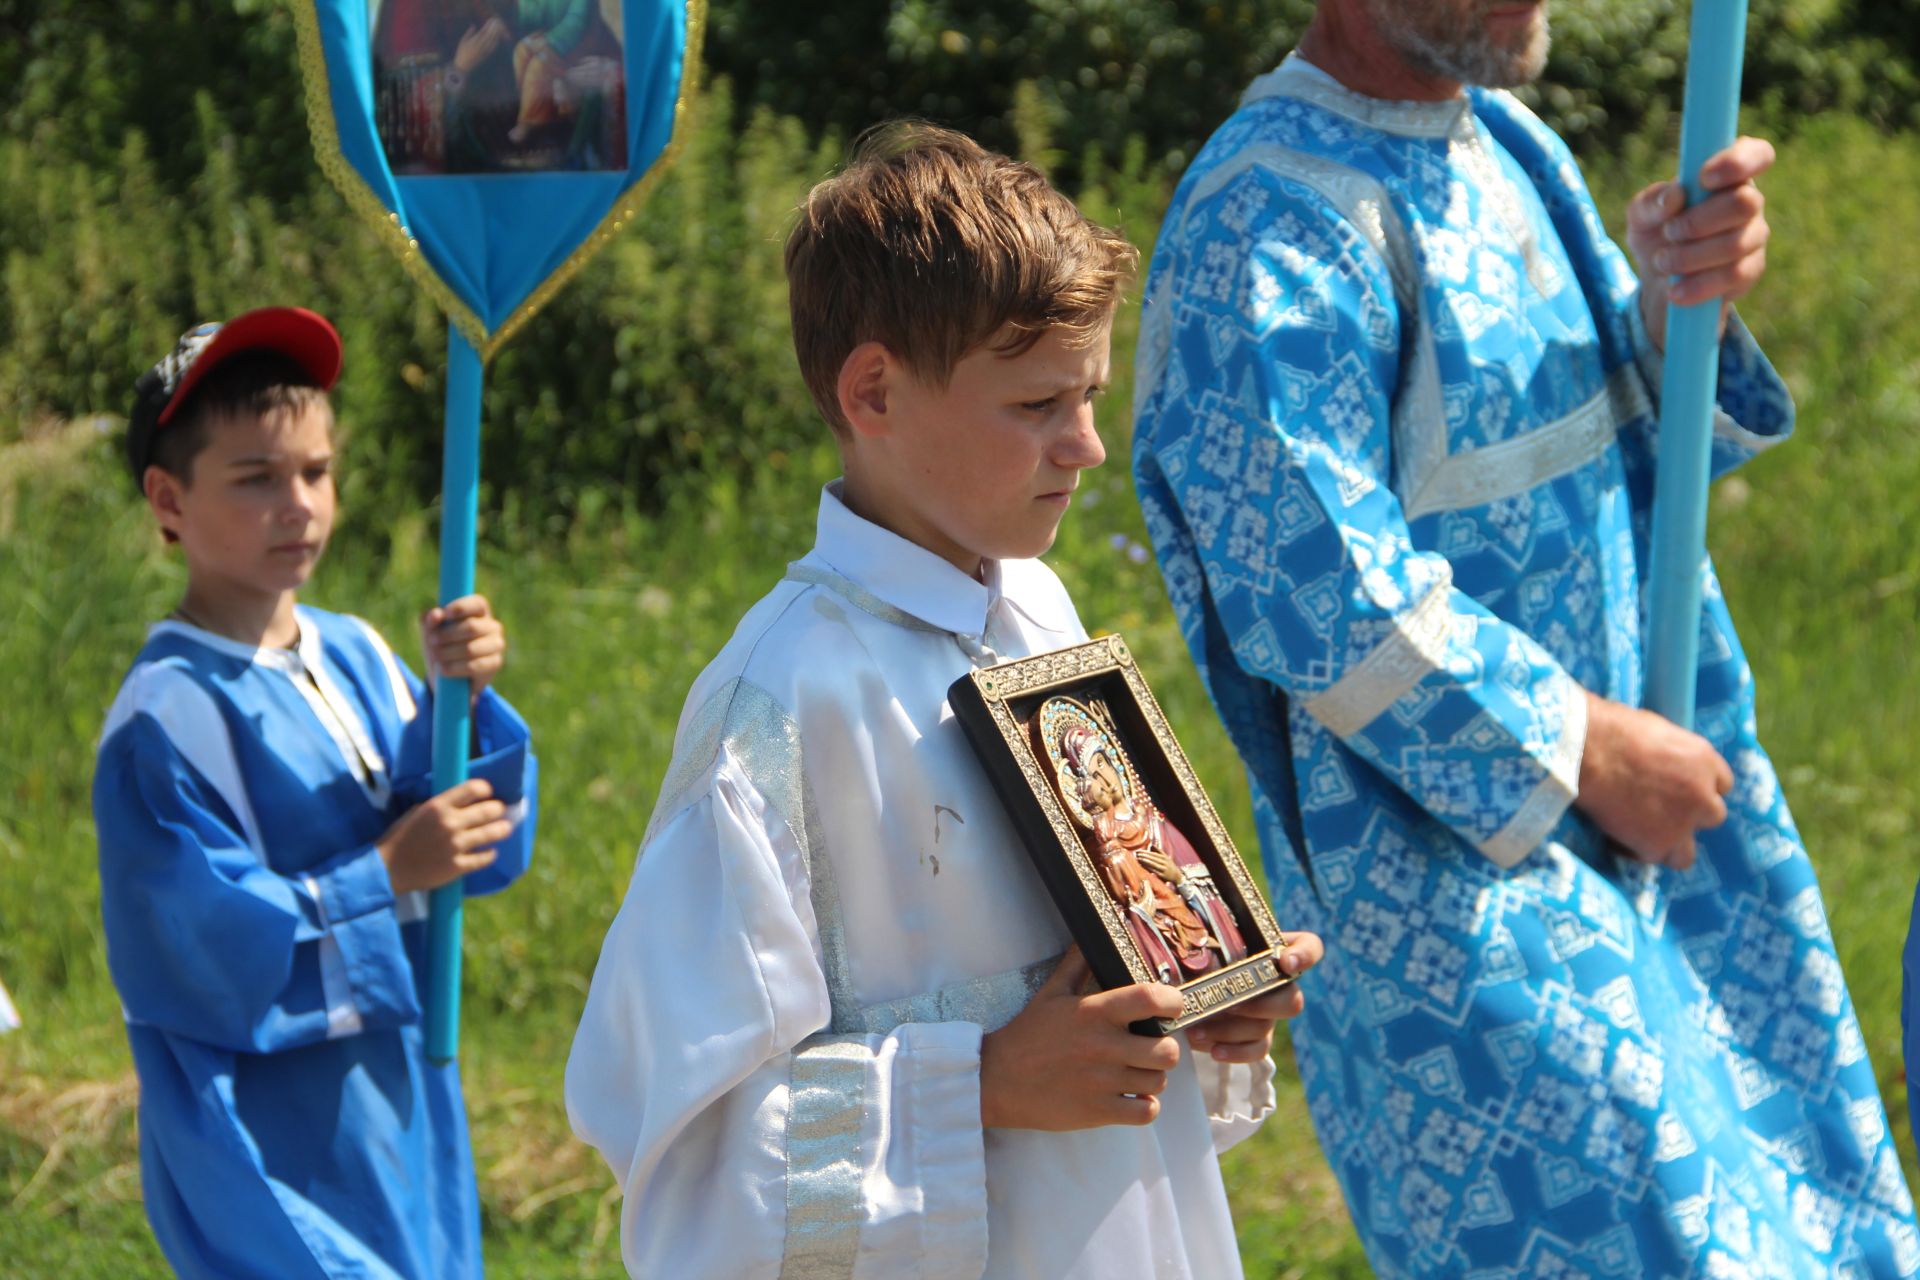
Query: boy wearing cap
{"points": [[267, 837], [831, 1031]]}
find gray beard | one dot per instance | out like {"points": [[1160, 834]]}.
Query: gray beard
{"points": [[1458, 57]]}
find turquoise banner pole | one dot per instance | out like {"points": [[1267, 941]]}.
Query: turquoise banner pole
{"points": [[452, 715], [1708, 121]]}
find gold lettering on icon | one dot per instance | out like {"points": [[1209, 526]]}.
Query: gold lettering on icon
{"points": [[1211, 993]]}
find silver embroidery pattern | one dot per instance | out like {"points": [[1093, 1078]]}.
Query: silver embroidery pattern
{"points": [[857, 595], [1542, 809], [1408, 119], [828, 1073], [826, 1099], [753, 728], [1474, 154], [1416, 648], [1429, 479], [1358, 198], [1519, 463], [989, 1002], [1419, 423], [696, 747]]}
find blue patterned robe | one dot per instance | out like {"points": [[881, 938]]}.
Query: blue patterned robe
{"points": [[1394, 444]]}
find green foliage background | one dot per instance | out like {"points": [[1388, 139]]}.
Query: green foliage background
{"points": [[660, 463]]}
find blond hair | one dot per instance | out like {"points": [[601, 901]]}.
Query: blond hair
{"points": [[935, 247]]}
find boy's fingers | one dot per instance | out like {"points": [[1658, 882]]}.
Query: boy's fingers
{"points": [[473, 606], [1144, 1084], [480, 811], [467, 629], [482, 837], [1302, 952], [485, 645], [1148, 1053], [469, 792], [1131, 1004], [478, 653], [471, 862], [1067, 975], [1234, 1028], [1244, 1051], [1121, 1109]]}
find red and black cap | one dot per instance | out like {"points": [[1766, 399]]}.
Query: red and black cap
{"points": [[303, 336]]}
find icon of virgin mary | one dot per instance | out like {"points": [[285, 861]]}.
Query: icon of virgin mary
{"points": [[1173, 909]]}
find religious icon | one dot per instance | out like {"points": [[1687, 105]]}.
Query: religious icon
{"points": [[1174, 912], [1121, 831], [499, 86]]}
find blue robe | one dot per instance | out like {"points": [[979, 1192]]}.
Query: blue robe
{"points": [[290, 1123], [1396, 411]]}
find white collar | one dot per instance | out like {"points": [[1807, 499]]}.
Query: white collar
{"points": [[305, 650], [902, 574]]}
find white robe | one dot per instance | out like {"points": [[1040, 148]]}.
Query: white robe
{"points": [[780, 1053]]}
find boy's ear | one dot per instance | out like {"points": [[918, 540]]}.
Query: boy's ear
{"points": [[162, 488], [866, 383]]}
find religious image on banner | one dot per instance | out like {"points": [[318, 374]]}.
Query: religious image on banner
{"points": [[499, 86]]}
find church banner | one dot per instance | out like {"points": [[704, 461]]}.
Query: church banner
{"points": [[494, 146]]}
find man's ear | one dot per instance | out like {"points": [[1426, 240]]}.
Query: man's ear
{"points": [[163, 488], [866, 389]]}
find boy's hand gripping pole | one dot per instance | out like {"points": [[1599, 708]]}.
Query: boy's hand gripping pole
{"points": [[1688, 385], [452, 712]]}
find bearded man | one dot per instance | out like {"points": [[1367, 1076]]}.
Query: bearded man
{"points": [[1581, 1013]]}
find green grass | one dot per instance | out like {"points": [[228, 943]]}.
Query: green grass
{"points": [[611, 620]]}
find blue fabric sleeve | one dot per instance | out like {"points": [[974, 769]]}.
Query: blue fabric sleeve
{"points": [[1276, 456], [501, 752], [1754, 408], [504, 757], [205, 941]]}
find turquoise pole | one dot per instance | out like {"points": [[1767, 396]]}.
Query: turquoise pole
{"points": [[452, 716], [1710, 114]]}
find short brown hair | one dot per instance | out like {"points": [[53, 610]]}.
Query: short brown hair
{"points": [[248, 384], [933, 246]]}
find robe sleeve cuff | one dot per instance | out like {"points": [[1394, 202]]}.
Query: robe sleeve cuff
{"points": [[945, 1080], [352, 886], [1239, 1097], [1740, 360], [1754, 409], [885, 1152], [1652, 364], [503, 746], [1548, 802], [365, 975]]}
